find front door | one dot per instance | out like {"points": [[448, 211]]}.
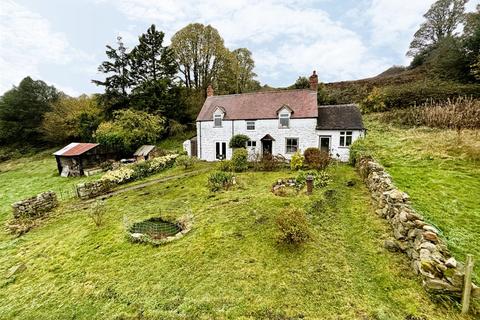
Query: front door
{"points": [[221, 150], [325, 144], [267, 146]]}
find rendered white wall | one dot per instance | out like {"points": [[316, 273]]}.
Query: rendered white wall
{"points": [[303, 129]]}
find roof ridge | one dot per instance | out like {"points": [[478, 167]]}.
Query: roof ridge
{"points": [[338, 105], [261, 92]]}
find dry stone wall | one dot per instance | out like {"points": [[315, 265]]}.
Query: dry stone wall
{"points": [[35, 206], [88, 190], [420, 241]]}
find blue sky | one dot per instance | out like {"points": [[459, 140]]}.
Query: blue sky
{"points": [[63, 42]]}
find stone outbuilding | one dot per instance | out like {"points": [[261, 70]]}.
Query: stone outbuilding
{"points": [[146, 152], [78, 159]]}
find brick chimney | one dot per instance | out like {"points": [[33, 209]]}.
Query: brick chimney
{"points": [[209, 90], [314, 81]]}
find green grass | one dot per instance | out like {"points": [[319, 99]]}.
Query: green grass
{"points": [[440, 170], [25, 177], [228, 267]]}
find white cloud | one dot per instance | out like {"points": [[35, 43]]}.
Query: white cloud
{"points": [[394, 22], [286, 38], [26, 42]]}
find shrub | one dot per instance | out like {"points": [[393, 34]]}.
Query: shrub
{"points": [[97, 212], [297, 161], [316, 159], [219, 180], [240, 160], [139, 170], [459, 113], [130, 129], [225, 166], [238, 141], [293, 227], [358, 149], [320, 179], [420, 92], [268, 162], [185, 161], [374, 102]]}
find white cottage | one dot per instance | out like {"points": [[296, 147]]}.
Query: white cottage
{"points": [[277, 122]]}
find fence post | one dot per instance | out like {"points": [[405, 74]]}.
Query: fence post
{"points": [[467, 285]]}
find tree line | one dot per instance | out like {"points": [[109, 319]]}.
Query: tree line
{"points": [[447, 44], [150, 91]]}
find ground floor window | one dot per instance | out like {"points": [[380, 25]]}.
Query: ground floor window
{"points": [[345, 138], [291, 145], [252, 144], [221, 150]]}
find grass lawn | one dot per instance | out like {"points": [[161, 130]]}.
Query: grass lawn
{"points": [[25, 177], [228, 267], [440, 170]]}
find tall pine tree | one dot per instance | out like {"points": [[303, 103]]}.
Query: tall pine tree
{"points": [[118, 81]]}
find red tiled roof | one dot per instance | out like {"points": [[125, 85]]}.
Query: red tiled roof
{"points": [[261, 105], [75, 149]]}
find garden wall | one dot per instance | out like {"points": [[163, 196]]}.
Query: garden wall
{"points": [[35, 206], [88, 190], [420, 241]]}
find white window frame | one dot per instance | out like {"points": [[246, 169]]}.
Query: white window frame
{"points": [[344, 137], [215, 117], [251, 144], [286, 145], [284, 116], [249, 123]]}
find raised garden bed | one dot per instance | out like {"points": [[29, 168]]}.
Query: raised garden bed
{"points": [[159, 231]]}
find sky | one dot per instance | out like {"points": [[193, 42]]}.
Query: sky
{"points": [[62, 42]]}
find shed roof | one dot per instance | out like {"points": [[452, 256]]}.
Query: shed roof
{"points": [[144, 150], [75, 149], [337, 117], [261, 105]]}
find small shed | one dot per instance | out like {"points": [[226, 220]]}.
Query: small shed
{"points": [[190, 146], [146, 152], [76, 158]]}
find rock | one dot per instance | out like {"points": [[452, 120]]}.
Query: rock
{"points": [[398, 234], [136, 236], [439, 285], [16, 269], [403, 216], [425, 254], [419, 223], [430, 228], [430, 236], [475, 291], [451, 263], [428, 246], [391, 245]]}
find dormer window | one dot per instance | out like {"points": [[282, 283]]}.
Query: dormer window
{"points": [[217, 120], [284, 120], [284, 114]]}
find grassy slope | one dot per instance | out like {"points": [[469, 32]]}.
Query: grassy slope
{"points": [[441, 173], [229, 266], [25, 177]]}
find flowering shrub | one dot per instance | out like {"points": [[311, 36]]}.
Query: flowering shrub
{"points": [[297, 161], [139, 170], [119, 176]]}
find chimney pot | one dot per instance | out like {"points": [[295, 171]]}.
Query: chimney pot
{"points": [[314, 81], [209, 90]]}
